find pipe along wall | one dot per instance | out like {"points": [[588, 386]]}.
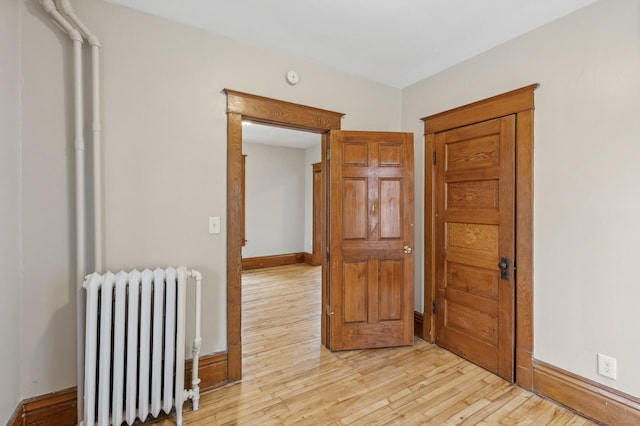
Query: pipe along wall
{"points": [[64, 17]]}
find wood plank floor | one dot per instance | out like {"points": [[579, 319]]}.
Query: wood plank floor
{"points": [[289, 379]]}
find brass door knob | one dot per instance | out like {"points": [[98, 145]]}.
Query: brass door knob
{"points": [[407, 249]]}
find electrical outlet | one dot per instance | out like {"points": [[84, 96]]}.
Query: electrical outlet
{"points": [[607, 366]]}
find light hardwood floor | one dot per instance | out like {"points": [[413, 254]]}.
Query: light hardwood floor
{"points": [[290, 379]]}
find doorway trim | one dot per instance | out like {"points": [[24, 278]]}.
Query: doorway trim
{"points": [[318, 218], [521, 103], [258, 109]]}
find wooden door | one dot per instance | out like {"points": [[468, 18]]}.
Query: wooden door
{"points": [[370, 278], [474, 197]]}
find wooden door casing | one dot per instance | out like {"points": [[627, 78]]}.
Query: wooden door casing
{"points": [[241, 106], [243, 189], [318, 215], [521, 103], [474, 229], [371, 221]]}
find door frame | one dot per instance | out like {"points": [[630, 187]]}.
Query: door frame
{"points": [[519, 102], [258, 109], [317, 217]]}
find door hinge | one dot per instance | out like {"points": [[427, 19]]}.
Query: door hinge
{"points": [[433, 307], [328, 154], [434, 158], [328, 257]]}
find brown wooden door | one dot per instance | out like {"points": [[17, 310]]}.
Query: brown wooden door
{"points": [[370, 278], [474, 197]]}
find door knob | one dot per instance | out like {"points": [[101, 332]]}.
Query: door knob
{"points": [[407, 249]]}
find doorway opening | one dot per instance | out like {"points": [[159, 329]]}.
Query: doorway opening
{"points": [[279, 190], [243, 106], [278, 217]]}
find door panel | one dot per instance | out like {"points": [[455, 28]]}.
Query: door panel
{"points": [[355, 295], [474, 230], [371, 221], [390, 193], [391, 290], [354, 218]]}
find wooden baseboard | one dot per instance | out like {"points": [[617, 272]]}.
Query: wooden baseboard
{"points": [[56, 408], [418, 324], [16, 418], [212, 370], [591, 399], [60, 408], [524, 369], [269, 261], [308, 258]]}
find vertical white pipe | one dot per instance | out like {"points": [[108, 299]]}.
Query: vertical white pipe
{"points": [[197, 342], [97, 158], [76, 38], [81, 249], [79, 157], [67, 10]]}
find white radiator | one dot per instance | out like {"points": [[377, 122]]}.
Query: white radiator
{"points": [[134, 345]]}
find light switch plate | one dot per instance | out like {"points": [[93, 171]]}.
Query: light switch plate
{"points": [[214, 224]]}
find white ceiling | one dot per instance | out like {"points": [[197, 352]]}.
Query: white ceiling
{"points": [[394, 42], [269, 135]]}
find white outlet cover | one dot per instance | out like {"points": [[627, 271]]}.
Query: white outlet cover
{"points": [[607, 366]]}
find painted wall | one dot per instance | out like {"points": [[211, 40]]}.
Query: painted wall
{"points": [[164, 160], [165, 167], [311, 156], [48, 348], [275, 194], [10, 114], [586, 235]]}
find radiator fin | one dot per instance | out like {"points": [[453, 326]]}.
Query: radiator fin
{"points": [[118, 347], [145, 345], [105, 349], [132, 346], [169, 341]]}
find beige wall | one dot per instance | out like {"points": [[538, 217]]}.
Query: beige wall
{"points": [[275, 194], [47, 347], [9, 207], [586, 195], [164, 159]]}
